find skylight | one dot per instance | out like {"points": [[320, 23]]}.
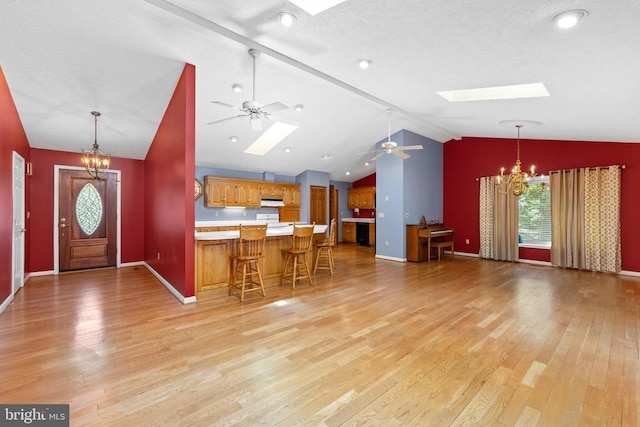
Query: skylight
{"points": [[313, 7], [269, 139], [531, 90]]}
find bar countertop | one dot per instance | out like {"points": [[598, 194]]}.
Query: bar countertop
{"points": [[277, 229]]}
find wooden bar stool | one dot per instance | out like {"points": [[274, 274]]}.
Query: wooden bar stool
{"points": [[301, 245], [250, 250], [324, 257]]}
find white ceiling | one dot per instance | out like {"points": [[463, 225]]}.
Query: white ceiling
{"points": [[65, 58]]}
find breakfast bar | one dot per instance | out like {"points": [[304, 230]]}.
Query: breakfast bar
{"points": [[214, 265]]}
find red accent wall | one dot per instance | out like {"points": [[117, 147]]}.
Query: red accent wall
{"points": [[169, 218], [41, 222], [470, 158], [367, 181], [12, 138]]}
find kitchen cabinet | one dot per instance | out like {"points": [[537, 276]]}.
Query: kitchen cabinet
{"points": [[289, 214], [361, 198], [349, 232], [372, 234], [223, 192]]}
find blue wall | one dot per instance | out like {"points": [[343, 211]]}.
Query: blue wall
{"points": [[306, 180], [406, 190], [343, 210]]}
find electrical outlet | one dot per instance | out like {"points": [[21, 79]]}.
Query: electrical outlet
{"points": [[380, 214], [467, 241], [244, 213], [386, 198], [386, 243], [217, 213]]}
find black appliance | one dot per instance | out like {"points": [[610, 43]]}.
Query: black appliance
{"points": [[362, 233]]}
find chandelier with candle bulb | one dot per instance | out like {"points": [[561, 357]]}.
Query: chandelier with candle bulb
{"points": [[518, 181], [95, 161]]}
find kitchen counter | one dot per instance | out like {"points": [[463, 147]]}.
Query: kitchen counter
{"points": [[214, 265], [273, 229], [365, 220]]}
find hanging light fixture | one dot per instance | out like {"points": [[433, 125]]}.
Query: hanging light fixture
{"points": [[518, 181], [95, 161]]}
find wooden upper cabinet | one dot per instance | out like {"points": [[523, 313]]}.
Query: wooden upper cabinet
{"points": [[214, 191], [291, 196], [361, 198], [221, 192]]}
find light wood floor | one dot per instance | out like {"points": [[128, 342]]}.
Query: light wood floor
{"points": [[380, 343]]}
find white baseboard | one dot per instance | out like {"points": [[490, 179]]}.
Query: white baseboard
{"points": [[390, 258], [465, 254], [42, 273], [169, 286], [630, 273], [131, 264], [6, 303], [531, 261]]}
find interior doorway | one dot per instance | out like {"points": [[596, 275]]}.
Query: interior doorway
{"points": [[87, 220]]}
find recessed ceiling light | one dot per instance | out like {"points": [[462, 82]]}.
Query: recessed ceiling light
{"points": [[326, 156], [364, 63], [286, 19], [570, 18], [237, 87], [233, 138], [347, 173], [366, 163], [299, 107], [532, 90], [287, 149]]}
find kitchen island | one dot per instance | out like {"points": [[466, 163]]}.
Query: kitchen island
{"points": [[214, 266]]}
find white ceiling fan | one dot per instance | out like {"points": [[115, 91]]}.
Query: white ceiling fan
{"points": [[390, 147], [253, 109]]}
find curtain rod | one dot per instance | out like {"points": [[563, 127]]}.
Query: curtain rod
{"points": [[592, 168]]}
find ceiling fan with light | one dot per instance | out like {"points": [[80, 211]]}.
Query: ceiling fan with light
{"points": [[253, 109], [390, 147]]}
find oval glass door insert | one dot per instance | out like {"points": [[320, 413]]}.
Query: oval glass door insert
{"points": [[89, 209]]}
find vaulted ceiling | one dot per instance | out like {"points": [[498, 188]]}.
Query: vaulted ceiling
{"points": [[65, 58]]}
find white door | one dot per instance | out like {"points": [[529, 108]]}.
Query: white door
{"points": [[18, 222]]}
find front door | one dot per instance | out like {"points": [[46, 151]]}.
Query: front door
{"points": [[87, 220], [18, 222]]}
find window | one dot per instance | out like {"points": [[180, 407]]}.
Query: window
{"points": [[534, 215]]}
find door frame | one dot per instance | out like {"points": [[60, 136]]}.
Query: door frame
{"points": [[17, 158], [56, 214]]}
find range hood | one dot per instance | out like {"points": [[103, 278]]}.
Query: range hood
{"points": [[271, 203]]}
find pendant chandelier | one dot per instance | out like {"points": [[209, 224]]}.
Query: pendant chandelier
{"points": [[95, 161], [518, 181]]}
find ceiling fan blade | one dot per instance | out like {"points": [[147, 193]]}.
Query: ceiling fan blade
{"points": [[227, 119], [400, 154], [409, 147], [376, 157], [224, 104], [275, 106], [256, 124]]}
